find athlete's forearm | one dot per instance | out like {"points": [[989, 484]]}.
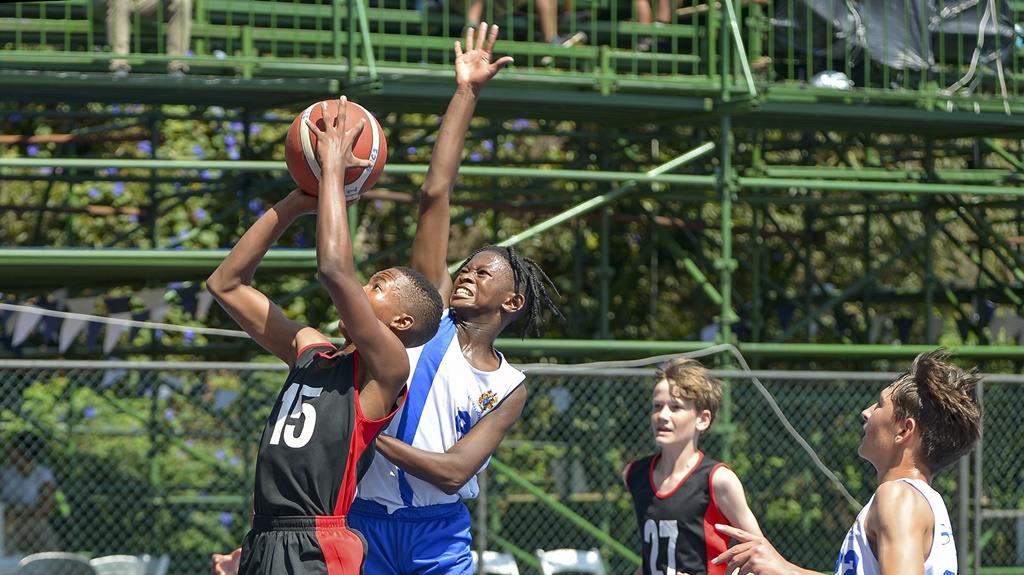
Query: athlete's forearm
{"points": [[451, 139], [447, 472]]}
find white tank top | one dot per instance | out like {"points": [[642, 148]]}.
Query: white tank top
{"points": [[447, 397], [856, 557]]}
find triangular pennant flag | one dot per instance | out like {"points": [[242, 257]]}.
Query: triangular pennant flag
{"points": [[59, 297], [1015, 328], [879, 322], [985, 312], [965, 328], [118, 304], [739, 329], [785, 313], [996, 326], [111, 375], [24, 322], [903, 326], [71, 327], [157, 314], [223, 398], [7, 316], [141, 316], [114, 331], [92, 334], [205, 300], [172, 381], [188, 298], [152, 298], [842, 322], [51, 324]]}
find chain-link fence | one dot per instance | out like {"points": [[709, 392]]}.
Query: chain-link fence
{"points": [[157, 458]]}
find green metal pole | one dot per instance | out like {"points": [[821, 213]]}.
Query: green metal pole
{"points": [[603, 199], [707, 182], [364, 25], [856, 287], [604, 275], [883, 174], [880, 187], [569, 514], [757, 321], [569, 214], [726, 265], [741, 53], [1003, 153], [930, 331]]}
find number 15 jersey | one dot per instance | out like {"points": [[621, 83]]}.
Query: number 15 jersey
{"points": [[316, 443]]}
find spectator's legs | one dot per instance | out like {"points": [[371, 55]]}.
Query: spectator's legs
{"points": [[119, 24], [665, 8], [547, 18], [474, 13], [644, 14], [179, 32]]}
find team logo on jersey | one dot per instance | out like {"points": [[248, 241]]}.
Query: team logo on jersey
{"points": [[488, 400]]}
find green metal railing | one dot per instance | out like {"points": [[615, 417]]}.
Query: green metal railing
{"points": [[733, 46]]}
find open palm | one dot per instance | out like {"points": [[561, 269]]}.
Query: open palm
{"points": [[473, 67]]}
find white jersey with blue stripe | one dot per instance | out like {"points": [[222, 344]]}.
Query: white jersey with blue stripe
{"points": [[447, 397], [857, 558]]}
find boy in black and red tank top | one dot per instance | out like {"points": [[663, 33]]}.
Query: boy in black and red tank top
{"points": [[318, 439], [678, 493]]}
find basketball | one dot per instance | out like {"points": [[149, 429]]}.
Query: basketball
{"points": [[304, 166]]}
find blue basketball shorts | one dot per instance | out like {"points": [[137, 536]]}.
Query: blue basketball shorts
{"points": [[432, 540]]}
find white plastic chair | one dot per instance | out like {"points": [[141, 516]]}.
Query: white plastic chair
{"points": [[156, 565], [570, 561], [496, 563], [49, 563], [119, 565]]}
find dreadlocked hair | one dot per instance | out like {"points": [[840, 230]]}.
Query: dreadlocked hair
{"points": [[529, 280]]}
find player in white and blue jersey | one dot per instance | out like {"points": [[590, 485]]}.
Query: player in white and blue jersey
{"points": [[463, 395], [922, 423]]}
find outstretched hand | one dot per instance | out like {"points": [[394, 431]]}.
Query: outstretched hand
{"points": [[473, 67], [753, 555], [334, 143]]}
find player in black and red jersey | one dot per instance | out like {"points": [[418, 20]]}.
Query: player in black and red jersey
{"points": [[318, 439], [679, 494]]}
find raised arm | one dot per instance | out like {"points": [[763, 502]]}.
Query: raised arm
{"points": [[450, 470], [231, 283], [473, 69], [381, 351]]}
